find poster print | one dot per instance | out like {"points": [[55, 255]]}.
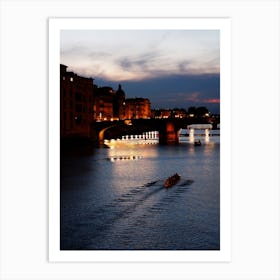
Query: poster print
{"points": [[140, 113]]}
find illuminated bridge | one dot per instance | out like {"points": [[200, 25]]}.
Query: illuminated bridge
{"points": [[168, 129]]}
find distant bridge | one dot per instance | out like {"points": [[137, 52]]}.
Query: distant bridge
{"points": [[168, 128]]}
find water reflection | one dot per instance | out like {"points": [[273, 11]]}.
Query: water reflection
{"points": [[205, 136], [133, 152], [115, 198], [133, 160]]}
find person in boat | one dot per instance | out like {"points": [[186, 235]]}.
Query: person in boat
{"points": [[170, 181]]}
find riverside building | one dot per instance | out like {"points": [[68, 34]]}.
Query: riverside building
{"points": [[109, 104], [76, 104], [137, 108]]}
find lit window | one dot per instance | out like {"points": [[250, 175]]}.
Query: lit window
{"points": [[71, 79]]}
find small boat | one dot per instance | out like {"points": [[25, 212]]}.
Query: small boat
{"points": [[197, 143], [171, 181]]}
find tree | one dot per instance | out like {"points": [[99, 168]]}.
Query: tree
{"points": [[192, 110], [198, 112], [201, 111]]}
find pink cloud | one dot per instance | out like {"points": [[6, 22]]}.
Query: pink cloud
{"points": [[193, 97], [212, 100]]}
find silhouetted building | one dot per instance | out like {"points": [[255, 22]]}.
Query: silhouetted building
{"points": [[109, 104], [161, 113], [82, 102], [169, 113], [179, 113], [104, 104], [137, 108], [119, 104], [76, 104]]}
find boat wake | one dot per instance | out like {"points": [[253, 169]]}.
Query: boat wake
{"points": [[135, 205]]}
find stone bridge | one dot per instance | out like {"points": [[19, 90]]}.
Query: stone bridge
{"points": [[168, 128]]}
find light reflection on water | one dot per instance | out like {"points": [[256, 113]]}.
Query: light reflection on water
{"points": [[123, 205]]}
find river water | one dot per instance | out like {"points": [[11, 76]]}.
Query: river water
{"points": [[114, 199]]}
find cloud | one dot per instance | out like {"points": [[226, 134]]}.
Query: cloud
{"points": [[212, 100], [125, 63], [142, 64], [99, 54], [139, 55], [177, 68], [193, 97], [184, 66]]}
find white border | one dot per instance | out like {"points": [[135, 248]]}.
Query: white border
{"points": [[222, 24]]}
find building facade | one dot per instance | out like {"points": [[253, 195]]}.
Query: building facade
{"points": [[82, 102], [109, 104], [137, 108], [103, 104], [76, 104]]}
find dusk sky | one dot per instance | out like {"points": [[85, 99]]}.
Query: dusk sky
{"points": [[173, 68]]}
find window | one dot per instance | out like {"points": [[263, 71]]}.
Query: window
{"points": [[78, 96], [71, 120], [78, 120], [79, 108]]}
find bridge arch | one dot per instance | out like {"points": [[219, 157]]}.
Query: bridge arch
{"points": [[205, 127], [102, 132]]}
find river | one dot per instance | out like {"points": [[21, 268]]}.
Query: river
{"points": [[114, 199]]}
